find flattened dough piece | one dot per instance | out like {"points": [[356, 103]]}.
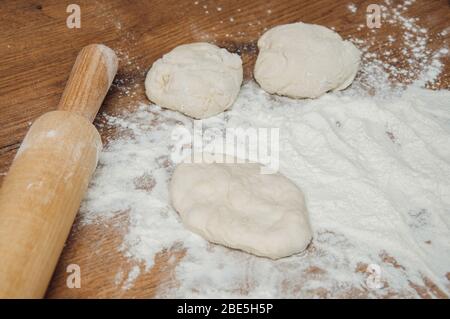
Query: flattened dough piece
{"points": [[303, 60], [236, 206], [197, 79]]}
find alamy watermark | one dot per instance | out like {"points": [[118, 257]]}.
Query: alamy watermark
{"points": [[373, 17], [74, 278], [74, 19], [201, 144], [373, 281]]}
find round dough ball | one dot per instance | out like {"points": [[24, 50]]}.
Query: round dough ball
{"points": [[236, 206], [302, 60], [197, 79]]}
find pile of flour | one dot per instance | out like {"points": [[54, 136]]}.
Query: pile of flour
{"points": [[375, 170], [375, 174]]}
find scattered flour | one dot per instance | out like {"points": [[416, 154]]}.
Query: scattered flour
{"points": [[375, 169], [383, 72], [375, 174], [132, 276], [352, 7]]}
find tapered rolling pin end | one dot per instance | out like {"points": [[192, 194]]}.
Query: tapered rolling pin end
{"points": [[109, 57], [95, 67], [49, 176]]}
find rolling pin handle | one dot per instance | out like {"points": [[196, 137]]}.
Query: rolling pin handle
{"points": [[89, 81]]}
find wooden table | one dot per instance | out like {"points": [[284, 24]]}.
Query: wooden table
{"points": [[38, 50]]}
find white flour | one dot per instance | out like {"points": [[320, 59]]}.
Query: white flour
{"points": [[375, 171], [375, 174]]}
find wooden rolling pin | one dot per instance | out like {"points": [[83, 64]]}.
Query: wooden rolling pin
{"points": [[48, 178]]}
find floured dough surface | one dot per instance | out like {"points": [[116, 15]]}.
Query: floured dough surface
{"points": [[197, 79], [303, 60], [236, 206]]}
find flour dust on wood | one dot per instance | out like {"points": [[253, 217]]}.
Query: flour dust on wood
{"points": [[373, 162]]}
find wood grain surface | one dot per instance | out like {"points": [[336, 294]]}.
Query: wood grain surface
{"points": [[38, 51]]}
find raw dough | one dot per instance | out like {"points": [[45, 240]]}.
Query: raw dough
{"points": [[302, 60], [236, 206], [197, 79]]}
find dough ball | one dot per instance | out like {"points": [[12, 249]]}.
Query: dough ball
{"points": [[197, 79], [236, 206], [302, 60]]}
